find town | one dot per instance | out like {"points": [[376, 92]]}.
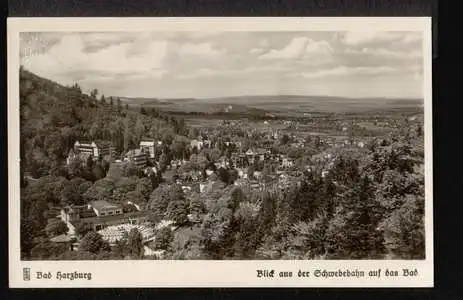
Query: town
{"points": [[281, 161], [232, 154]]}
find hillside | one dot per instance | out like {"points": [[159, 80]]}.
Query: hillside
{"points": [[53, 117]]}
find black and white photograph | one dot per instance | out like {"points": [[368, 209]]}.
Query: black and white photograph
{"points": [[246, 145]]}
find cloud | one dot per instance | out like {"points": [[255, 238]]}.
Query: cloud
{"points": [[299, 47], [348, 71], [94, 42], [202, 49], [293, 50], [256, 50], [358, 38], [65, 60], [152, 63], [385, 52], [205, 72]]}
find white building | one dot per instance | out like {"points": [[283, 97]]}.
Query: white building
{"points": [[148, 146]]}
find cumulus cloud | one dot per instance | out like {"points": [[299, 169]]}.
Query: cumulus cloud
{"points": [[299, 47]]}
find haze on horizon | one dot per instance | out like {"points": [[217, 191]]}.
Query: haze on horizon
{"points": [[226, 64]]}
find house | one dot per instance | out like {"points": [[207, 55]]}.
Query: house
{"points": [[138, 156], [257, 175], [361, 144], [223, 162], [286, 162], [186, 188], [261, 153], [204, 186], [148, 146], [250, 152], [196, 144]]}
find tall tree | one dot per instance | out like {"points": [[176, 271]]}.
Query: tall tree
{"points": [[127, 134], [119, 104], [92, 242], [135, 244], [139, 130], [164, 238], [177, 210]]}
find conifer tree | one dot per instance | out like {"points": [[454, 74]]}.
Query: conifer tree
{"points": [[127, 134], [135, 244]]}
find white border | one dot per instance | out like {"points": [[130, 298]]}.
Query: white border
{"points": [[152, 273]]}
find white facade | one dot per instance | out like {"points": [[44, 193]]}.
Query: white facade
{"points": [[149, 146]]}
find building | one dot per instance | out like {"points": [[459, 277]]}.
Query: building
{"points": [[83, 157], [104, 208], [99, 214], [148, 146], [196, 144], [287, 162], [207, 143], [250, 152], [138, 156], [95, 148]]}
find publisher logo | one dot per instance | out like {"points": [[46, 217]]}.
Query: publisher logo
{"points": [[26, 274]]}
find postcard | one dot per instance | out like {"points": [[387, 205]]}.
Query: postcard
{"points": [[220, 152]]}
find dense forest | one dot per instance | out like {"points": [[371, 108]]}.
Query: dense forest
{"points": [[370, 204]]}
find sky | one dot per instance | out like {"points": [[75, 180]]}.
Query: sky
{"points": [[353, 64]]}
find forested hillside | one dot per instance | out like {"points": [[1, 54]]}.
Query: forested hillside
{"points": [[54, 116]]}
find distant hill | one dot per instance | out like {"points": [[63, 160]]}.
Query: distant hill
{"points": [[281, 104]]}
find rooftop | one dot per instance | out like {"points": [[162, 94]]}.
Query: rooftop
{"points": [[97, 220], [102, 204], [103, 143]]}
